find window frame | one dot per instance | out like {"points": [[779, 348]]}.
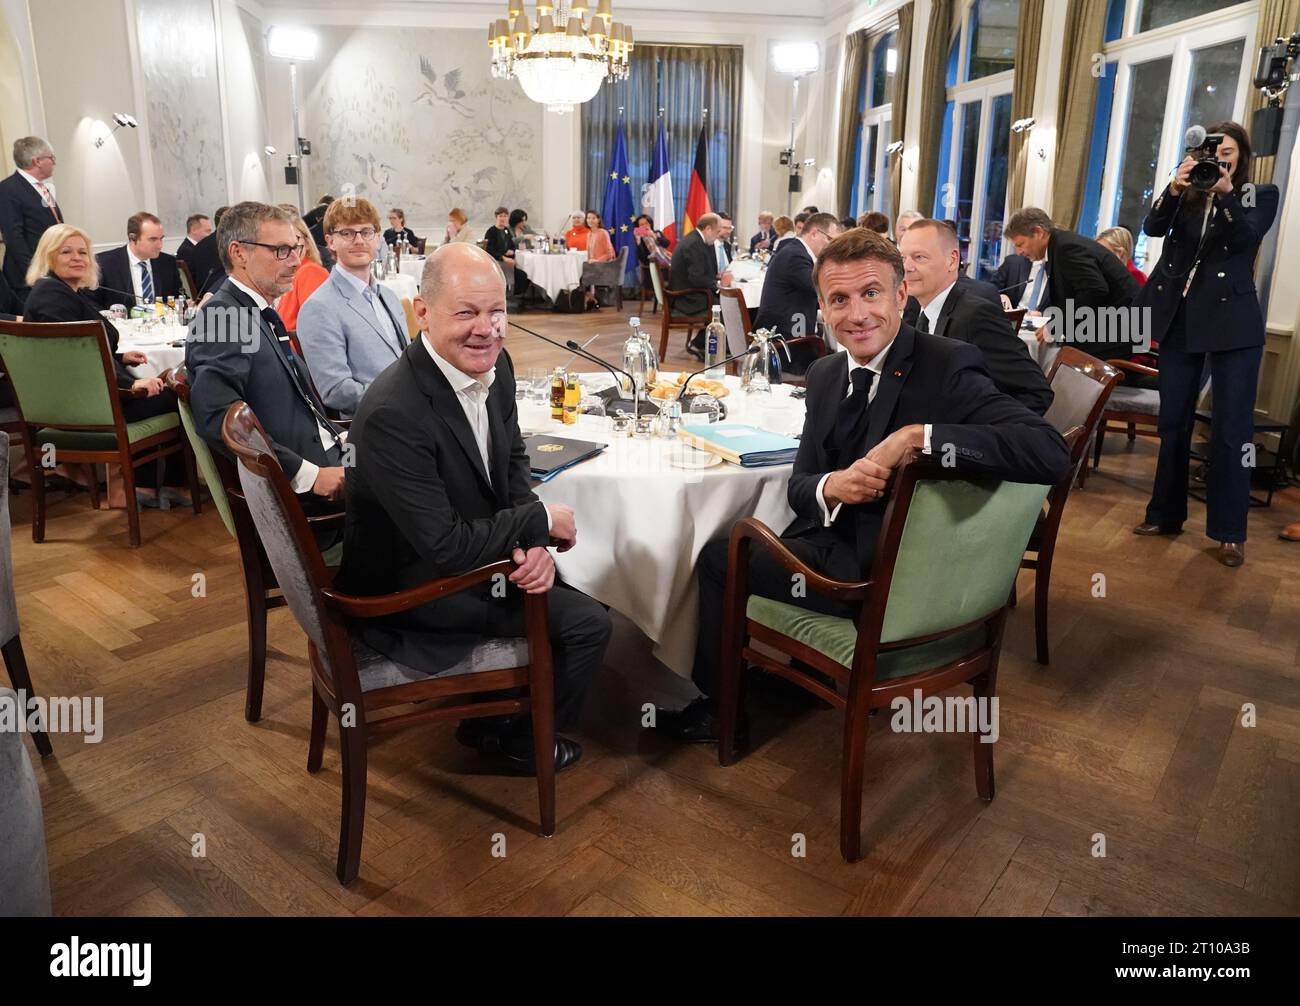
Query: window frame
{"points": [[881, 116]]}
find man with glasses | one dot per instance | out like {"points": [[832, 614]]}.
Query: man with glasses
{"points": [[238, 350], [351, 328], [27, 208], [789, 304]]}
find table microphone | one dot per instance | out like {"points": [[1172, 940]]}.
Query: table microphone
{"points": [[577, 350], [711, 366]]}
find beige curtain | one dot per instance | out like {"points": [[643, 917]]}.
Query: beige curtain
{"points": [[1085, 29], [1029, 34], [934, 95], [855, 50], [897, 127], [1276, 17]]}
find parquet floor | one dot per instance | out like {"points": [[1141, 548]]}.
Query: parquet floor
{"points": [[1133, 733]]}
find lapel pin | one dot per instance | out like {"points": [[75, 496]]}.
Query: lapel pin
{"points": [[898, 373]]}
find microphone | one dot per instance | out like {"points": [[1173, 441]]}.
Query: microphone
{"points": [[579, 351], [125, 293], [1194, 137], [1014, 286], [721, 363], [582, 347]]}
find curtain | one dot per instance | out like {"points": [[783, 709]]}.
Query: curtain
{"points": [[683, 81], [934, 96], [898, 113], [1028, 37], [1276, 17], [1085, 27], [855, 49]]}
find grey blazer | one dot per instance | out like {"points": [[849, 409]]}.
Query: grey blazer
{"points": [[344, 345]]}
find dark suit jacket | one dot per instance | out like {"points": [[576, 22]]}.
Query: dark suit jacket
{"points": [[391, 235], [768, 236], [24, 217], [1011, 277], [185, 250], [10, 304], [925, 379], [232, 354], [420, 504], [969, 318], [695, 266], [976, 287], [115, 273], [1080, 269], [51, 299], [789, 304], [1222, 299], [205, 265]]}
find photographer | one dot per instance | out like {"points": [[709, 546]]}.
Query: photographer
{"points": [[1203, 303]]}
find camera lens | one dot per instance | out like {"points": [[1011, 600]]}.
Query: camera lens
{"points": [[1204, 175]]}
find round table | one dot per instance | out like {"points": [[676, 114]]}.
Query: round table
{"points": [[642, 522], [552, 272], [155, 342], [413, 266], [747, 277], [401, 284]]}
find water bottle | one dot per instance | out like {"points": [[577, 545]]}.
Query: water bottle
{"points": [[715, 338]]}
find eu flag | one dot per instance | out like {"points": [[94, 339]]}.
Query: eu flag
{"points": [[619, 208]]}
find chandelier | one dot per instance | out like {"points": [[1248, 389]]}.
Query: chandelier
{"points": [[558, 61]]}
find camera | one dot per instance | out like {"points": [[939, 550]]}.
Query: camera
{"points": [[1205, 172]]}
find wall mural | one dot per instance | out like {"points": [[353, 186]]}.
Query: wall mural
{"points": [[178, 54], [413, 118]]}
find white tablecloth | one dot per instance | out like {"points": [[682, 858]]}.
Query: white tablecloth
{"points": [[402, 285], [747, 276], [1042, 353], [155, 343], [413, 266], [642, 523], [552, 273]]}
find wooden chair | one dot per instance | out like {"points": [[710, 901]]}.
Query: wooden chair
{"points": [[607, 274], [353, 682], [1016, 316], [188, 286], [931, 616], [647, 288], [11, 645], [735, 319], [1136, 408], [1081, 386], [63, 378], [670, 320], [412, 326], [261, 591], [418, 245]]}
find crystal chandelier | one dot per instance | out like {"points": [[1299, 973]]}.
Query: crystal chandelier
{"points": [[560, 62]]}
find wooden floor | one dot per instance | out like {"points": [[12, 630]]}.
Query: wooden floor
{"points": [[1133, 733]]}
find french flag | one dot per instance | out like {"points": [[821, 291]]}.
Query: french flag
{"points": [[658, 200]]}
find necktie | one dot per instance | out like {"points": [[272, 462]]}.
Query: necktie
{"points": [[851, 408], [923, 323], [146, 283], [1036, 293], [48, 200]]}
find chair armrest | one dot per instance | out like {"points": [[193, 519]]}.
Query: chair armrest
{"points": [[128, 393], [327, 519], [816, 343], [404, 600], [749, 528], [1134, 368], [690, 289]]}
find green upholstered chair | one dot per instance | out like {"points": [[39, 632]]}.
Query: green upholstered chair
{"points": [[1081, 387], [931, 614], [188, 286], [353, 682], [66, 387], [261, 592]]}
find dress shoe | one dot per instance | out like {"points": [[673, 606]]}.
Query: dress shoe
{"points": [[698, 723], [1291, 532], [1154, 529], [1232, 553], [513, 748]]}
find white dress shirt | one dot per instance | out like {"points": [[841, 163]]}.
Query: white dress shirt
{"points": [[36, 184], [305, 477], [932, 309], [876, 365], [137, 281], [472, 394], [1027, 300]]}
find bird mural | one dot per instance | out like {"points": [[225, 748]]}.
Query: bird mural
{"points": [[442, 91], [375, 172]]}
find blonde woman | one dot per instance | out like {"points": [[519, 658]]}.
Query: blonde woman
{"points": [[1119, 240], [310, 275]]}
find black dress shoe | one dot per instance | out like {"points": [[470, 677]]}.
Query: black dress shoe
{"points": [[698, 723], [514, 748]]}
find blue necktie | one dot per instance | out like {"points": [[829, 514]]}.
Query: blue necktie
{"points": [[1036, 293], [146, 283]]}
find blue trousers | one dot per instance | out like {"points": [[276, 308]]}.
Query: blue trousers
{"points": [[1235, 376]]}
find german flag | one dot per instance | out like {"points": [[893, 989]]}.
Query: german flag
{"points": [[697, 195]]}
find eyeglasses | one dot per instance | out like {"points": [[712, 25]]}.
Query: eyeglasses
{"points": [[49, 157], [282, 252], [349, 235]]}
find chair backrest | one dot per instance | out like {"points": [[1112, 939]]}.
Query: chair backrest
{"points": [[1016, 315], [419, 245], [949, 550], [62, 373], [1081, 386], [203, 456], [412, 326], [657, 281], [8, 601], [283, 530], [735, 318], [188, 285], [24, 863]]}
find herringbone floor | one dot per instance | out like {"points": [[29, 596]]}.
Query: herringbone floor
{"points": [[1133, 733]]}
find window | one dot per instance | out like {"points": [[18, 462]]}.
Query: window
{"points": [[971, 188], [1169, 64], [871, 192]]}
